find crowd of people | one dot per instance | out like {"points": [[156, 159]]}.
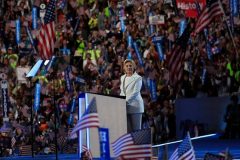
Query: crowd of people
{"points": [[91, 46]]}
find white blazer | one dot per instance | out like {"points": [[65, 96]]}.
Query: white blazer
{"points": [[131, 88]]}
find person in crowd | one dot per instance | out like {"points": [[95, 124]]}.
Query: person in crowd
{"points": [[131, 84]]}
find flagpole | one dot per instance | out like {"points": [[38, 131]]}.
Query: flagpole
{"points": [[229, 30]]}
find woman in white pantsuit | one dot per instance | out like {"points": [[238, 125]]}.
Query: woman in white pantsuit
{"points": [[131, 84]]}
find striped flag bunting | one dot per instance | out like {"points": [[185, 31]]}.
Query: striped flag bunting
{"points": [[89, 118], [61, 140], [184, 151], [52, 147], [175, 60], [46, 37], [26, 150], [13, 141], [136, 145], [87, 151], [208, 14]]}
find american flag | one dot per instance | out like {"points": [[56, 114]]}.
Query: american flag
{"points": [[175, 59], [89, 118], [13, 141], [61, 141], [87, 151], [211, 10], [52, 147], [61, 4], [46, 37], [136, 144], [184, 151], [26, 150]]}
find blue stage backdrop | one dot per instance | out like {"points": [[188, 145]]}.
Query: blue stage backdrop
{"points": [[201, 115]]}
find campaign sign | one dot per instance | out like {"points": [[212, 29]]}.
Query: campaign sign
{"points": [[190, 6], [4, 88], [104, 143]]}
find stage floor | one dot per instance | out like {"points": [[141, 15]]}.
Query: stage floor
{"points": [[213, 145], [201, 147]]}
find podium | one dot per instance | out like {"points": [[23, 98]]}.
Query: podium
{"points": [[112, 115]]}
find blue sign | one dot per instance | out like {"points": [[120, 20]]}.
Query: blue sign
{"points": [[182, 26], [160, 51], [37, 97], [234, 7], [138, 53], [5, 107], [104, 143], [34, 18], [67, 79], [157, 39], [18, 31], [209, 50], [151, 26], [70, 120], [129, 41], [153, 90]]}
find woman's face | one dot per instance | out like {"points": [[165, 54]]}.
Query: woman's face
{"points": [[129, 68]]}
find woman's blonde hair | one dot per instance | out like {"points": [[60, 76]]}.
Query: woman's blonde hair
{"points": [[131, 61]]}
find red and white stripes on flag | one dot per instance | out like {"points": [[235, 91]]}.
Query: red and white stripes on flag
{"points": [[46, 37], [25, 150], [211, 10], [177, 56], [89, 119], [87, 151], [176, 64], [184, 151], [135, 145]]}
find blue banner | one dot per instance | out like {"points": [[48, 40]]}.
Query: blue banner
{"points": [[50, 63], [104, 143], [34, 18], [206, 33], [157, 39], [18, 31], [234, 7], [30, 36], [67, 79], [138, 53], [80, 80], [129, 56], [65, 51], [70, 120], [151, 30], [37, 97], [153, 90], [5, 98], [121, 16], [209, 50], [130, 41], [204, 75], [160, 51], [122, 25], [182, 26]]}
